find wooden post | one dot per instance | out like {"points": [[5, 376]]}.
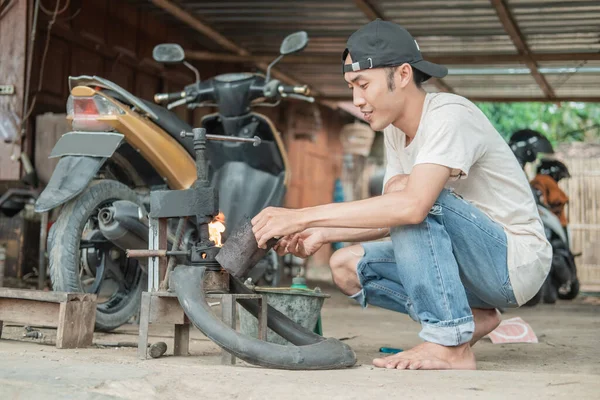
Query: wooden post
{"points": [[76, 319], [144, 322], [262, 318], [181, 340]]}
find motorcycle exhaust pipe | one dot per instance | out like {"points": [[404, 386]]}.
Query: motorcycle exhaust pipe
{"points": [[125, 226]]}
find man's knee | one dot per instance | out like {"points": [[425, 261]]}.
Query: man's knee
{"points": [[343, 268]]}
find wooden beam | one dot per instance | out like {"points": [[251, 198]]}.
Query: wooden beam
{"points": [[565, 56], [444, 59], [582, 99], [74, 37], [187, 18], [579, 99], [511, 27], [221, 57], [367, 8]]}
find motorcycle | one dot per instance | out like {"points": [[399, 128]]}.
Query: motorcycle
{"points": [[562, 281], [122, 147]]}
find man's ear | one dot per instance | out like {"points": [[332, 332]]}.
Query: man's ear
{"points": [[403, 75]]}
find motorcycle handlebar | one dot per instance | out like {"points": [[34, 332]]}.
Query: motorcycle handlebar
{"points": [[301, 90], [162, 97], [205, 91]]}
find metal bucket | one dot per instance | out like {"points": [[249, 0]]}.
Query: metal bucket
{"points": [[300, 305]]}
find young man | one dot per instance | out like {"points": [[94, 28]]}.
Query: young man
{"points": [[466, 236]]}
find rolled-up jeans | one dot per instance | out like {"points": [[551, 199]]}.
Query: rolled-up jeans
{"points": [[436, 271]]}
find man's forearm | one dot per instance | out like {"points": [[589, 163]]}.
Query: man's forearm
{"points": [[353, 234]]}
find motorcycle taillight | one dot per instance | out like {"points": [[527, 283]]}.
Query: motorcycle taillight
{"points": [[87, 112]]}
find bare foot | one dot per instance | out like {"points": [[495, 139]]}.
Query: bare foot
{"points": [[430, 356], [486, 320]]}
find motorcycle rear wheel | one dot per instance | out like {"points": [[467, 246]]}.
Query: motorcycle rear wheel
{"points": [[550, 291], [69, 264], [572, 293]]}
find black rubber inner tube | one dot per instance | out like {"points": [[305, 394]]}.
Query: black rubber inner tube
{"points": [[311, 352]]}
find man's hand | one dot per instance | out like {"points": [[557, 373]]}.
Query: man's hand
{"points": [[396, 183], [273, 222], [303, 244]]}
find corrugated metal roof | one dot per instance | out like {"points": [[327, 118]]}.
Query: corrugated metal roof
{"points": [[441, 27]]}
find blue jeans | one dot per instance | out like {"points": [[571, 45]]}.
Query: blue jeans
{"points": [[438, 270]]}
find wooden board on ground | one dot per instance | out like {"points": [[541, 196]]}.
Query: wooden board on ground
{"points": [[73, 314]]}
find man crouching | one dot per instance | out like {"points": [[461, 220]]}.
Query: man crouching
{"points": [[466, 237]]}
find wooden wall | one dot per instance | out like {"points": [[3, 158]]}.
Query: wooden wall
{"points": [[316, 155], [12, 72], [112, 39], [583, 210]]}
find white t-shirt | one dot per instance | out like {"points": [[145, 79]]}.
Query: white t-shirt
{"points": [[455, 133]]}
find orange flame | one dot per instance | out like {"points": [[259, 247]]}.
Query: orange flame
{"points": [[216, 228]]}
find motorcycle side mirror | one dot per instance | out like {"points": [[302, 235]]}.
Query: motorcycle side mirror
{"points": [[171, 53], [168, 53], [291, 44], [294, 43]]}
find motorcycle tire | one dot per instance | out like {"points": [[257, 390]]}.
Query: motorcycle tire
{"points": [[65, 258], [550, 291], [572, 293]]}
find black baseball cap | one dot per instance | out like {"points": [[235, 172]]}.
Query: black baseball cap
{"points": [[386, 44]]}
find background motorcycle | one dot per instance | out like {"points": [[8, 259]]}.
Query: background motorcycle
{"points": [[562, 281]]}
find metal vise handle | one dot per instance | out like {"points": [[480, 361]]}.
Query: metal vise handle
{"points": [[255, 140]]}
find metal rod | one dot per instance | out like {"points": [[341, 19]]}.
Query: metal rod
{"points": [[255, 140], [155, 253], [222, 138], [199, 135]]}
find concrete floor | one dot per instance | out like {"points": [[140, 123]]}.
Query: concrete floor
{"points": [[565, 364]]}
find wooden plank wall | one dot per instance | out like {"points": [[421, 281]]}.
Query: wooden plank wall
{"points": [[12, 72], [316, 154], [583, 189], [112, 39]]}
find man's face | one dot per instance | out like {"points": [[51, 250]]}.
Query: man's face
{"points": [[371, 93]]}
